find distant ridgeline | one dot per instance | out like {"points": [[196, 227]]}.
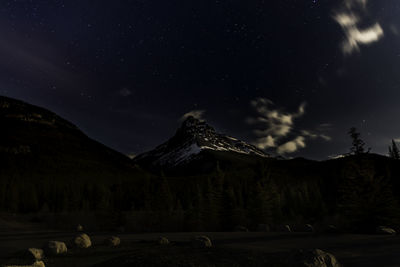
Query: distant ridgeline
{"points": [[198, 180]]}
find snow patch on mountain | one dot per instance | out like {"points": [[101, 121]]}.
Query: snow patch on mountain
{"points": [[193, 137]]}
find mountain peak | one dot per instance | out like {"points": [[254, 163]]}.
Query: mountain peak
{"points": [[194, 127], [193, 137]]}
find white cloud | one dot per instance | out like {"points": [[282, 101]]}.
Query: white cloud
{"points": [[265, 142], [197, 114], [348, 19], [274, 125], [274, 121], [292, 146], [314, 135], [325, 137]]}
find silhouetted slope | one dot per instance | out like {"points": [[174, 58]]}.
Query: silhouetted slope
{"points": [[40, 135]]}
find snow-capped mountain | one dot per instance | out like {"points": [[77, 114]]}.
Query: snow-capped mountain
{"points": [[193, 137]]}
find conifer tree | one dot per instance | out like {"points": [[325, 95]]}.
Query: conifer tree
{"points": [[358, 145], [394, 152]]}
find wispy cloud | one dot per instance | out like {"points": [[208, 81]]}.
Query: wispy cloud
{"points": [[197, 114], [273, 123], [315, 135], [274, 126], [265, 142], [292, 146], [349, 17]]}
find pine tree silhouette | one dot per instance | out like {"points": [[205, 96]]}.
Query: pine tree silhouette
{"points": [[358, 145], [394, 152]]}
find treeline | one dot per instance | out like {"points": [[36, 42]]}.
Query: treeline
{"points": [[356, 192], [220, 200]]}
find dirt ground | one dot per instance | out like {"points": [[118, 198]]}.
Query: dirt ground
{"points": [[230, 249]]}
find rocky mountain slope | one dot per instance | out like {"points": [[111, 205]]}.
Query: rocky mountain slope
{"points": [[191, 140]]}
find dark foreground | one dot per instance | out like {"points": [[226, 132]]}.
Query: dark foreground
{"points": [[230, 249]]}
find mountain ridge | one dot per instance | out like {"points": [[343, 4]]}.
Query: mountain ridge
{"points": [[193, 137]]}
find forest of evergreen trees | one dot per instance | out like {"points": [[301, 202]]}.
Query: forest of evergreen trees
{"points": [[359, 190]]}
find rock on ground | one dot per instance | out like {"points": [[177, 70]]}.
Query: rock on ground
{"points": [[201, 242], [113, 241], [35, 253], [383, 230], [82, 241], [286, 228], [313, 258], [55, 248], [163, 241]]}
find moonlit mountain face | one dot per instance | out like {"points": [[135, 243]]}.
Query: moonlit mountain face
{"points": [[193, 137]]}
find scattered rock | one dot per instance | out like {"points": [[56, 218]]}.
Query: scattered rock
{"points": [[286, 228], [55, 248], [163, 241], [263, 228], [308, 228], [82, 241], [241, 228], [313, 258], [79, 228], [383, 230], [201, 242], [113, 241], [35, 253]]}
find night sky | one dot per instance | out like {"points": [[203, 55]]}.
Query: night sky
{"points": [[290, 76]]}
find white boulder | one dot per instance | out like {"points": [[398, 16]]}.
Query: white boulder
{"points": [[286, 228], [313, 258], [383, 230], [34, 254], [82, 241], [163, 241]]}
